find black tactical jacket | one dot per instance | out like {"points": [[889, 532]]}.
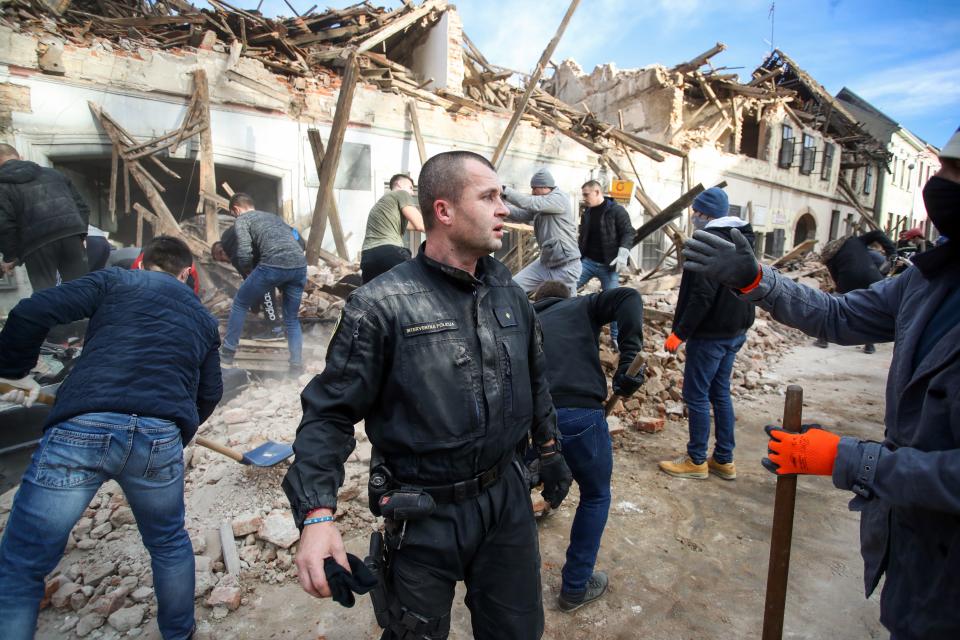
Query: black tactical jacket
{"points": [[447, 370]]}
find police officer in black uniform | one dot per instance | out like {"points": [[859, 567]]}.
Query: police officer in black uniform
{"points": [[443, 358]]}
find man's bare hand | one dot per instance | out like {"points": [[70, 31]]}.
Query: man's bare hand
{"points": [[317, 542], [23, 391]]}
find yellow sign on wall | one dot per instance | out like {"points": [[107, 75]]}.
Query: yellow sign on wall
{"points": [[621, 189]]}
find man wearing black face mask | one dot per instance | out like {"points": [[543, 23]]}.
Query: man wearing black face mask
{"points": [[906, 487]]}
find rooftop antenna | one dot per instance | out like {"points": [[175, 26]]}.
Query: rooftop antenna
{"points": [[772, 17]]}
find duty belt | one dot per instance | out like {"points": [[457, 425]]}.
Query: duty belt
{"points": [[466, 489]]}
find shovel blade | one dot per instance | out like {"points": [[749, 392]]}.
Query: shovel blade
{"points": [[268, 454]]}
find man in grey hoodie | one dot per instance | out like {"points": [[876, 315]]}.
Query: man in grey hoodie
{"points": [[555, 227], [43, 221]]}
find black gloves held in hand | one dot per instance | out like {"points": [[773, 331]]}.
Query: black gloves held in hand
{"points": [[626, 385], [343, 584], [556, 478]]}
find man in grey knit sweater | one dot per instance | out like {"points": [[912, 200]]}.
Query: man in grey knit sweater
{"points": [[555, 227], [267, 250]]}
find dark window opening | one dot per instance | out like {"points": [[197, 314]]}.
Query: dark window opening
{"points": [[834, 224], [806, 229], [773, 243], [750, 138], [867, 179], [91, 176]]}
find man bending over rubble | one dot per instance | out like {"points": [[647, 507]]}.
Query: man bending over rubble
{"points": [[442, 357], [267, 250], [578, 386], [149, 374], [907, 487]]}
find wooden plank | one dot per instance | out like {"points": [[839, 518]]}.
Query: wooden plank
{"points": [[328, 169], [796, 252], [507, 136], [668, 214], [700, 60], [316, 146], [114, 167], [851, 198], [208, 180], [417, 135], [398, 25]]}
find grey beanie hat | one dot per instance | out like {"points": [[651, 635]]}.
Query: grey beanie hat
{"points": [[542, 178]]}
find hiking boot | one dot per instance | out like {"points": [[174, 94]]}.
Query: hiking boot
{"points": [[727, 471], [869, 348], [295, 369], [226, 355], [596, 587], [684, 467]]}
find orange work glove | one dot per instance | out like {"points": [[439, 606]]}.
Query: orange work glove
{"points": [[673, 343], [810, 452]]}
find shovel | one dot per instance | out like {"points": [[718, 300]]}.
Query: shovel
{"points": [[266, 455]]}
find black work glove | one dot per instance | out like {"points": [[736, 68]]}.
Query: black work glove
{"points": [[556, 478], [626, 385], [343, 584], [732, 264]]}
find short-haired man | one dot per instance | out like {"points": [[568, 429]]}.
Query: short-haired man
{"points": [[149, 374], [571, 341], [267, 250], [605, 239], [714, 323], [442, 357], [555, 228], [383, 241], [43, 221]]}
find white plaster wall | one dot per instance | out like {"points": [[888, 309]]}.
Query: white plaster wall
{"points": [[430, 59]]}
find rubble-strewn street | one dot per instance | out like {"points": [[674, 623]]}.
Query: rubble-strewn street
{"points": [[687, 558]]}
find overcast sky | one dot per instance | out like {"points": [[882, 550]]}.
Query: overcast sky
{"points": [[901, 56]]}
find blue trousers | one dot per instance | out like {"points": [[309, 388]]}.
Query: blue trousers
{"points": [[609, 279], [588, 451], [75, 457], [261, 280], [706, 383]]}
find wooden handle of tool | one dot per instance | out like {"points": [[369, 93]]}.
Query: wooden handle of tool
{"points": [[781, 535], [219, 448], [44, 398], [632, 370]]}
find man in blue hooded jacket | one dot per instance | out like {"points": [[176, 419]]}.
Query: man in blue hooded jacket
{"points": [[906, 487]]}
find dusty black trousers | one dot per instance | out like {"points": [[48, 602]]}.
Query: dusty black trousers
{"points": [[489, 542], [66, 256], [378, 260]]}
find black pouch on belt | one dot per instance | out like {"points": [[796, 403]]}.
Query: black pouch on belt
{"points": [[406, 504]]}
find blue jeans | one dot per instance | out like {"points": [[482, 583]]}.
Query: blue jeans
{"points": [[75, 457], [263, 279], [609, 279], [588, 451], [706, 383]]}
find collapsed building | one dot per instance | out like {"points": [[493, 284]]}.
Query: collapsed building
{"points": [[158, 112]]}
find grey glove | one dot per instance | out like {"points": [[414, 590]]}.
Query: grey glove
{"points": [[620, 262], [730, 263]]}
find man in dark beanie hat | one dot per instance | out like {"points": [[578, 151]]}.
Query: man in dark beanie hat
{"points": [[550, 211], [713, 322]]}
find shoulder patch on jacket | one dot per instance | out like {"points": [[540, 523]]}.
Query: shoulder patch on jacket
{"points": [[437, 326]]}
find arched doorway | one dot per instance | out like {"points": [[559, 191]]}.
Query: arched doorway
{"points": [[805, 229]]}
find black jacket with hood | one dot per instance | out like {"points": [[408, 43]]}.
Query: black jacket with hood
{"points": [[38, 205], [571, 339], [615, 230], [851, 266], [707, 309]]}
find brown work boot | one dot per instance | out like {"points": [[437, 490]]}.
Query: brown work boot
{"points": [[726, 471], [684, 467]]}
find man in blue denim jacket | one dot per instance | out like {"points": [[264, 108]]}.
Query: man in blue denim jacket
{"points": [[148, 376], [906, 487]]}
